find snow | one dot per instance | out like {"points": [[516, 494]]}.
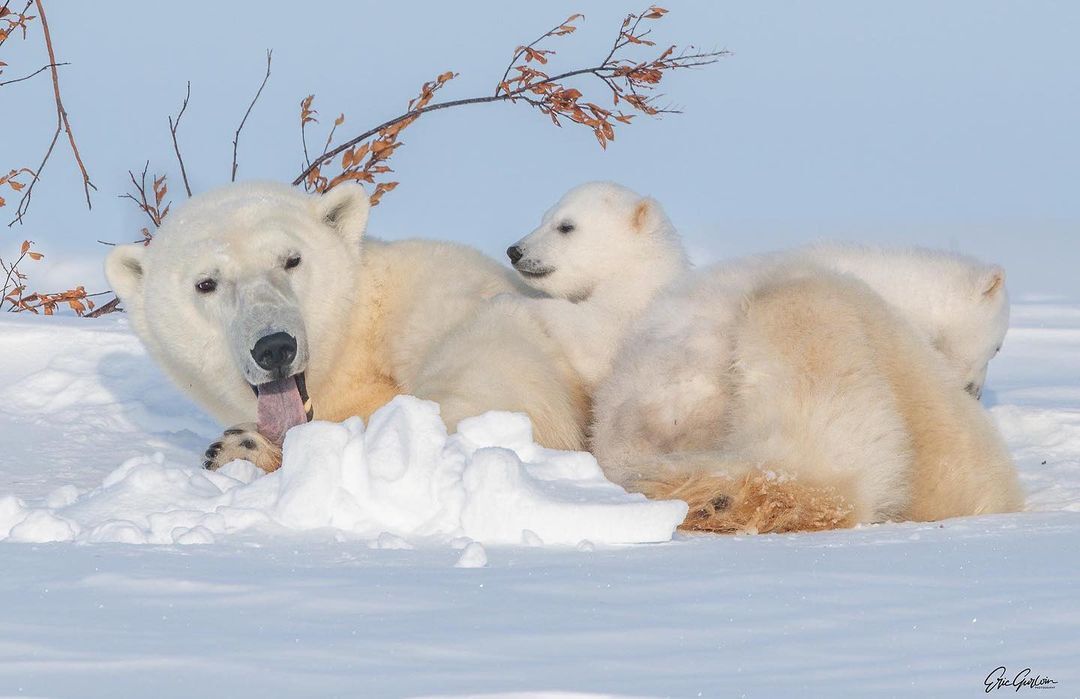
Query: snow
{"points": [[343, 573], [400, 476]]}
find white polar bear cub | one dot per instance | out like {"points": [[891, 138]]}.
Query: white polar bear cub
{"points": [[956, 303], [602, 253], [775, 394]]}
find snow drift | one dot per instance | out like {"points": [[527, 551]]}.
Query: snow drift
{"points": [[399, 478]]}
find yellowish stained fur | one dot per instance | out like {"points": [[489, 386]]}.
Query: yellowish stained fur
{"points": [[813, 375], [756, 503]]}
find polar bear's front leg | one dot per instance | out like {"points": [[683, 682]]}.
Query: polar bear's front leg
{"points": [[243, 442]]}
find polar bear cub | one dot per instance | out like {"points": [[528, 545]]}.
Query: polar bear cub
{"points": [[956, 303], [600, 254], [775, 394]]}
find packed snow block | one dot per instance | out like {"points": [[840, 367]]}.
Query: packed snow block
{"points": [[405, 476], [399, 479]]}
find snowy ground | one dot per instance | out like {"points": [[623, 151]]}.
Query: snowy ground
{"points": [[894, 610]]}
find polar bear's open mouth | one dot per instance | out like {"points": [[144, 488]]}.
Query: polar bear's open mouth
{"points": [[283, 403], [535, 273]]}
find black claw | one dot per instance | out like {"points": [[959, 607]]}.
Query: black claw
{"points": [[206, 465], [721, 503], [232, 431], [248, 444]]}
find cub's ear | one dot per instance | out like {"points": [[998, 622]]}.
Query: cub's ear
{"points": [[124, 270], [647, 216], [345, 209], [992, 282]]}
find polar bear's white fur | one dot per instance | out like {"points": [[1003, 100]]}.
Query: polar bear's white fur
{"points": [[774, 394], [957, 303], [601, 254], [367, 319]]}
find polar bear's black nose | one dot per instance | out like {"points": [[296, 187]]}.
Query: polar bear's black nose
{"points": [[274, 351], [514, 253]]}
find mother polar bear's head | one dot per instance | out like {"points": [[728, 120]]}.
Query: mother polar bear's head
{"points": [[237, 288]]}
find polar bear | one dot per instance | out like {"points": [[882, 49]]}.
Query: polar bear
{"points": [[600, 254], [270, 307], [775, 394], [956, 303]]}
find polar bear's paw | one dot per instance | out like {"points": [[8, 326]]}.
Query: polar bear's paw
{"points": [[245, 443], [754, 503]]}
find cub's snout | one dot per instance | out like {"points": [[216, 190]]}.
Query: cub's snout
{"points": [[275, 351], [515, 253]]}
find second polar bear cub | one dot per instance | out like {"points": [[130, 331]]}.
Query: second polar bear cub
{"points": [[608, 251], [958, 304]]}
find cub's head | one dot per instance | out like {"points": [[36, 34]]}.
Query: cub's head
{"points": [[242, 295], [971, 333], [598, 231]]}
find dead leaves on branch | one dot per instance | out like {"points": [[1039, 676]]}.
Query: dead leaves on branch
{"points": [[365, 161], [628, 82], [12, 22], [14, 293], [11, 181], [151, 201]]}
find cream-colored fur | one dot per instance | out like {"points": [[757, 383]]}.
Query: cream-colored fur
{"points": [[776, 395], [372, 319], [605, 252], [958, 304]]}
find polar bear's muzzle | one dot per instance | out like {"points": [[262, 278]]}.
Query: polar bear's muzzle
{"points": [[270, 348]]}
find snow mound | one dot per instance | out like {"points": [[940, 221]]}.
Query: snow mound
{"points": [[398, 479]]}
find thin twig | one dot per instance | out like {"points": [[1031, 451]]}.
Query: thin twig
{"points": [[39, 70], [62, 123], [140, 187], [10, 272], [87, 184], [172, 129], [521, 52], [236, 138], [109, 307]]}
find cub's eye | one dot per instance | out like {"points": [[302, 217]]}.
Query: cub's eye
{"points": [[206, 286], [293, 262], [565, 227]]}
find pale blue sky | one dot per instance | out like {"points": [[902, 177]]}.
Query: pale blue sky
{"points": [[947, 124]]}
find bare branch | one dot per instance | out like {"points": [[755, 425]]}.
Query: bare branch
{"points": [[87, 184], [173, 126], [42, 69], [142, 198], [108, 307], [236, 138], [62, 123]]}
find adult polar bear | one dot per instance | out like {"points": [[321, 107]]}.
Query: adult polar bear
{"points": [[254, 295], [774, 394]]}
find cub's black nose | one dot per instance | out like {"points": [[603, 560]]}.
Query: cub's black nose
{"points": [[274, 351], [514, 253]]}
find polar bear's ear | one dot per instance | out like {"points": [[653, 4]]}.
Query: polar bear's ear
{"points": [[992, 282], [124, 270], [345, 209], [647, 216]]}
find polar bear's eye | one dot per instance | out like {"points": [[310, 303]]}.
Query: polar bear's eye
{"points": [[292, 262], [566, 227], [206, 286]]}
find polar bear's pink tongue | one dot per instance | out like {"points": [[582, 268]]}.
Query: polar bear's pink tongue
{"points": [[280, 407]]}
